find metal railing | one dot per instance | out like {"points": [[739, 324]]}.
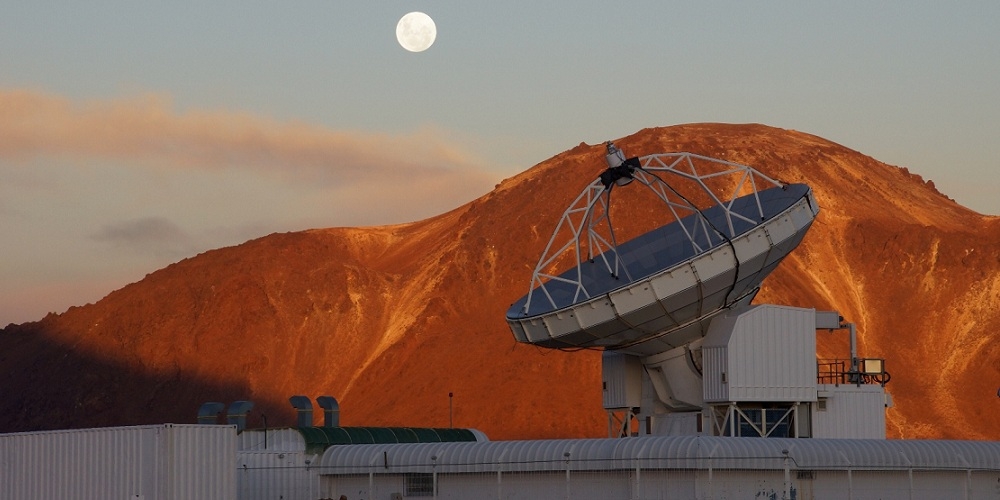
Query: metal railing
{"points": [[841, 371]]}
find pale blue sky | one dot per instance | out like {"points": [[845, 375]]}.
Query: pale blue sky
{"points": [[137, 133]]}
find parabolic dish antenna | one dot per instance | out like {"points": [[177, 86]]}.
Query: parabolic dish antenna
{"points": [[709, 232]]}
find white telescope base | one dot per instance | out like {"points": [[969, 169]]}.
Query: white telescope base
{"points": [[754, 373]]}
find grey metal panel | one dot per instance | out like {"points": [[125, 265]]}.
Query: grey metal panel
{"points": [[281, 439], [787, 342], [865, 404], [152, 462], [198, 461], [622, 380], [518, 329], [767, 353], [827, 319], [522, 456], [714, 362], [270, 475]]}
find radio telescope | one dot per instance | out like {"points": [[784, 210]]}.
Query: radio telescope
{"points": [[722, 228], [656, 263]]}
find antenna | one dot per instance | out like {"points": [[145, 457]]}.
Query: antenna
{"points": [[702, 234]]}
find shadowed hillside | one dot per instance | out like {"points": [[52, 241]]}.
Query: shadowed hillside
{"points": [[391, 319]]}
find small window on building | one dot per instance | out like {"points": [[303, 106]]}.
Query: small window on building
{"points": [[419, 485], [821, 405]]}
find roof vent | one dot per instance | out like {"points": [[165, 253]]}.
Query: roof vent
{"points": [[209, 413], [331, 411], [303, 409], [237, 415]]}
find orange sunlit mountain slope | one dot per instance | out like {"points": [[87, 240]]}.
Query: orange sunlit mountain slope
{"points": [[390, 320]]}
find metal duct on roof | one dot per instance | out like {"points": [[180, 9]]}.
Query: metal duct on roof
{"points": [[237, 415], [303, 410], [209, 412], [331, 410]]}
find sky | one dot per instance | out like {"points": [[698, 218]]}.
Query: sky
{"points": [[136, 134]]}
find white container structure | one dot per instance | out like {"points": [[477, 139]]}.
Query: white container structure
{"points": [[762, 378], [282, 463], [287, 475], [273, 463], [754, 374], [151, 462], [853, 411], [764, 353]]}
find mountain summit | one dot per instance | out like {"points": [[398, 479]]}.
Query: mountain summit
{"points": [[391, 320]]}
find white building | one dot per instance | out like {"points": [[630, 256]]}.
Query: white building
{"points": [[213, 462], [150, 462], [665, 467]]}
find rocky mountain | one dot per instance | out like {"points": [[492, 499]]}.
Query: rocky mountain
{"points": [[390, 320]]}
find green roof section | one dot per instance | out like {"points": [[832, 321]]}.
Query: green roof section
{"points": [[320, 438]]}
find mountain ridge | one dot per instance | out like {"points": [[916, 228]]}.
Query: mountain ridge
{"points": [[392, 319]]}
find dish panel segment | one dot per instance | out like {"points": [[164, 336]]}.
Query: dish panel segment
{"points": [[674, 288]]}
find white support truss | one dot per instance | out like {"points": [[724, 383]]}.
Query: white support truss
{"points": [[585, 234]]}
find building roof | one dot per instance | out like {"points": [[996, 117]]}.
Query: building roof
{"points": [[666, 452], [317, 439]]}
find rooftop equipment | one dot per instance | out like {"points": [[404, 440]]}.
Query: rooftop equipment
{"points": [[331, 410], [303, 410], [237, 415], [209, 413]]}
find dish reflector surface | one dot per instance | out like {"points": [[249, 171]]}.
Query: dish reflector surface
{"points": [[658, 290]]}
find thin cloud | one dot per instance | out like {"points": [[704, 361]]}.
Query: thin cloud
{"points": [[150, 184], [147, 131], [154, 235]]}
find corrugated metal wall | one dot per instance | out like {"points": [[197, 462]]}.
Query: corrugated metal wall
{"points": [[199, 461], [853, 412], [683, 452], [670, 467], [671, 484], [621, 376], [158, 462], [715, 360], [280, 439], [277, 475], [769, 355]]}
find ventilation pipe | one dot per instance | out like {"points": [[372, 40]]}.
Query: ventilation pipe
{"points": [[209, 412], [331, 411], [303, 409], [237, 415], [832, 320]]}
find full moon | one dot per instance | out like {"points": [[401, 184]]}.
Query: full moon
{"points": [[416, 31]]}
